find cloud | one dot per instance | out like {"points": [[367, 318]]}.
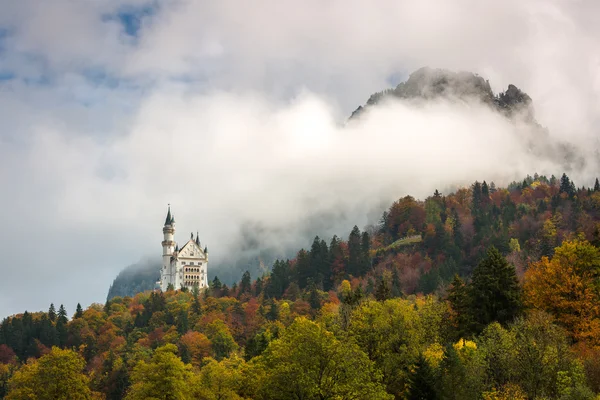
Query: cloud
{"points": [[235, 114]]}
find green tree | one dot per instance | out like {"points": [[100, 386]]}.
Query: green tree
{"points": [[495, 291], [78, 312], [220, 337], [383, 291], [355, 252], [52, 313], [165, 377], [460, 302], [422, 381], [61, 326], [218, 380], [308, 362], [245, 284], [57, 375]]}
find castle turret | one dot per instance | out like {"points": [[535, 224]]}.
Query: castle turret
{"points": [[168, 245], [169, 233]]}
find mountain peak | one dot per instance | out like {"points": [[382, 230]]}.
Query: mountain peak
{"points": [[430, 83]]}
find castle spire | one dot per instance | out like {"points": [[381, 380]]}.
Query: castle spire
{"points": [[197, 239], [169, 217]]}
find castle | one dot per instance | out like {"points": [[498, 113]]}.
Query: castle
{"points": [[184, 267]]}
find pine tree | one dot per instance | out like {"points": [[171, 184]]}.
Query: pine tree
{"points": [[422, 381], [596, 185], [460, 302], [476, 197], [216, 284], [62, 314], [313, 298], [495, 291], [78, 312], [258, 286], [565, 184], [355, 253], [485, 190], [365, 258], [303, 268], [196, 307], [245, 284], [273, 313], [383, 291], [52, 313]]}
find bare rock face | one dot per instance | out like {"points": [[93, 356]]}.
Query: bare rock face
{"points": [[428, 84]]}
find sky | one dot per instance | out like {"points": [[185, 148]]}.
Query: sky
{"points": [[235, 114]]}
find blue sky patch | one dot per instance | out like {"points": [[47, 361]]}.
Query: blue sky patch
{"points": [[6, 75], [131, 17]]}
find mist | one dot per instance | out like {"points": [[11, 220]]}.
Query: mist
{"points": [[241, 124]]}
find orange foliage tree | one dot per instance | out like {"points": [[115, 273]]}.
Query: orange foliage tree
{"points": [[568, 286]]}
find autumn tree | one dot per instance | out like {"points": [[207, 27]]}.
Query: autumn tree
{"points": [[221, 339], [567, 287], [57, 375], [193, 347], [165, 376], [218, 380], [308, 362]]}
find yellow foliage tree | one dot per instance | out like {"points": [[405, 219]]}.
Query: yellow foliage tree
{"points": [[56, 376], [567, 286]]}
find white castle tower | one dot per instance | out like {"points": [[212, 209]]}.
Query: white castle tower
{"points": [[184, 267]]}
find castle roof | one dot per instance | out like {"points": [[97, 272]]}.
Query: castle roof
{"points": [[170, 218]]}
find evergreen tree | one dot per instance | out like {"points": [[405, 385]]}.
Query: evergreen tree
{"points": [[196, 307], [279, 279], [245, 284], [495, 291], [565, 184], [319, 266], [52, 313], [485, 191], [224, 291], [355, 253], [303, 268], [476, 197], [273, 313], [258, 286], [62, 314], [422, 381], [460, 302], [596, 185], [365, 259], [456, 229], [78, 312], [61, 326], [216, 284], [383, 291], [313, 298]]}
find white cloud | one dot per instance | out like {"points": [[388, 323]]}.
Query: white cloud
{"points": [[253, 130]]}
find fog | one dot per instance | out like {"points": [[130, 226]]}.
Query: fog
{"points": [[237, 117]]}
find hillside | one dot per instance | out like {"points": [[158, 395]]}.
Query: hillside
{"points": [[513, 313]]}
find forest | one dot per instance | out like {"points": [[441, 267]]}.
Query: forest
{"points": [[484, 293]]}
